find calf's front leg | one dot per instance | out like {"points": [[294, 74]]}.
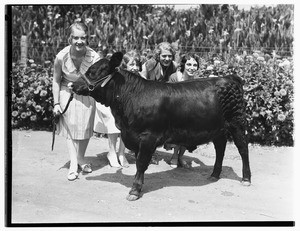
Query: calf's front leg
{"points": [[146, 149]]}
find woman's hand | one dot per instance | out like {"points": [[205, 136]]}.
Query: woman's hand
{"points": [[57, 109]]}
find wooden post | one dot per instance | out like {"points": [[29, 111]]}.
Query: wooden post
{"points": [[24, 49]]}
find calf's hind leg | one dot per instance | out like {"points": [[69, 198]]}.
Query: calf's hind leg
{"points": [[146, 149], [240, 141], [220, 145]]}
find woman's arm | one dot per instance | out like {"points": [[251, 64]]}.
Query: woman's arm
{"points": [[56, 85]]}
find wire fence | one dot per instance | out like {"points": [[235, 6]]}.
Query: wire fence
{"points": [[47, 52]]}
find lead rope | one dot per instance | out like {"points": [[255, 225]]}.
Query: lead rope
{"points": [[55, 119]]}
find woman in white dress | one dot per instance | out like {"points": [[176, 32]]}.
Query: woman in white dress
{"points": [[105, 122], [76, 124]]}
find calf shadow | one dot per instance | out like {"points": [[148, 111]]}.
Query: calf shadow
{"points": [[194, 176]]}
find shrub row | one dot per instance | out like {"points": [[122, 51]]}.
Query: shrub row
{"points": [[268, 89]]}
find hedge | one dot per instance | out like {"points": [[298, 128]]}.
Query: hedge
{"points": [[269, 94]]}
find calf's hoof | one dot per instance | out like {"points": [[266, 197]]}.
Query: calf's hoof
{"points": [[184, 164], [246, 182], [132, 197], [213, 178]]}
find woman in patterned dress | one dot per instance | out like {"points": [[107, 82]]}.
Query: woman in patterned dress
{"points": [[76, 124]]}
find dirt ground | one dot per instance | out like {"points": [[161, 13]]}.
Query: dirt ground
{"points": [[41, 192]]}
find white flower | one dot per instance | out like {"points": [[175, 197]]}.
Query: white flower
{"points": [[285, 64], [249, 57], [237, 30], [237, 57], [260, 58], [57, 16], [217, 62], [283, 92], [281, 117], [209, 68], [225, 33], [88, 20]]}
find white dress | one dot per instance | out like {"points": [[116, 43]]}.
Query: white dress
{"points": [[77, 122], [104, 120]]}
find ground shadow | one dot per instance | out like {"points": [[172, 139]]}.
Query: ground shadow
{"points": [[193, 176], [100, 161]]}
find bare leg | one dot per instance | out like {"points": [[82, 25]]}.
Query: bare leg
{"points": [[82, 145], [72, 148], [121, 154], [112, 154]]}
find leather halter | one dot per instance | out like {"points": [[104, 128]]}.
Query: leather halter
{"points": [[91, 86]]}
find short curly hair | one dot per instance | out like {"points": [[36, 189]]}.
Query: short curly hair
{"points": [[187, 57], [164, 46], [129, 56]]}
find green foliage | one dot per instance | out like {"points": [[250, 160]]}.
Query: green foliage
{"points": [[269, 94], [31, 101], [270, 107], [219, 33], [268, 89], [209, 27]]}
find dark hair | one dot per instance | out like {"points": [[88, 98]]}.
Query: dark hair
{"points": [[131, 55], [164, 46], [78, 25], [187, 57]]}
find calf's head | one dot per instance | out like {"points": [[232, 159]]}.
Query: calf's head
{"points": [[90, 83]]}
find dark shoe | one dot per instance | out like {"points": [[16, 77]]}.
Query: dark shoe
{"points": [[86, 168]]}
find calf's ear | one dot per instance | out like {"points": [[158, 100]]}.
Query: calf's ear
{"points": [[116, 60]]}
